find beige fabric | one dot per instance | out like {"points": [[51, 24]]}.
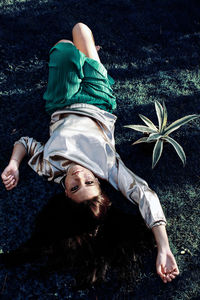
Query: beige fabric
{"points": [[84, 134]]}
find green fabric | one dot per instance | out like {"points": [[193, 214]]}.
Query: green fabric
{"points": [[75, 78]]}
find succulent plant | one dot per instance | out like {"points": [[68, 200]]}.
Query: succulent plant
{"points": [[160, 133]]}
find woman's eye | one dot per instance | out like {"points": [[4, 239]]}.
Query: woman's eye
{"points": [[89, 182], [74, 188]]}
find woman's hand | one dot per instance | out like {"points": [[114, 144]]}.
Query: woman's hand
{"points": [[166, 265], [10, 175]]}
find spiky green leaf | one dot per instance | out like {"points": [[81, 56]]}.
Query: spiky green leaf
{"points": [[178, 148], [148, 122], [153, 137], [157, 151], [140, 128], [164, 116], [142, 140], [159, 112], [178, 123]]}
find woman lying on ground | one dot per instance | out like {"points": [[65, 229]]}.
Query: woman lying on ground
{"points": [[81, 147]]}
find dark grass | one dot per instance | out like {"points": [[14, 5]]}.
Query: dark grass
{"points": [[151, 48]]}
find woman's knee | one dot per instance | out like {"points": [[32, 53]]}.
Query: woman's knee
{"points": [[84, 41], [81, 28]]}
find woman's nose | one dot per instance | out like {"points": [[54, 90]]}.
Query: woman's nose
{"points": [[79, 176]]}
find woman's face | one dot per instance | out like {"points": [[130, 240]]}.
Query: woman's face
{"points": [[81, 184]]}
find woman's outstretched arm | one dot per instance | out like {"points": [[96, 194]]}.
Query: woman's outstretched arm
{"points": [[136, 189], [10, 175], [166, 265], [23, 146]]}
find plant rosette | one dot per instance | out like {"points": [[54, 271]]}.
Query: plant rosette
{"points": [[160, 134]]}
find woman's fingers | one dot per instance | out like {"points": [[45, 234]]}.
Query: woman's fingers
{"points": [[8, 179], [171, 274], [4, 176], [166, 274], [164, 278], [10, 184], [10, 188], [168, 277], [160, 272], [175, 271]]}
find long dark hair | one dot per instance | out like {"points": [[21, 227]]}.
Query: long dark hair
{"points": [[85, 240], [99, 206]]}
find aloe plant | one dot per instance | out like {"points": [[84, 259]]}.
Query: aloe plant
{"points": [[160, 133]]}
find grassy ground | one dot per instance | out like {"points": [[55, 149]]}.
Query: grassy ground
{"points": [[151, 48]]}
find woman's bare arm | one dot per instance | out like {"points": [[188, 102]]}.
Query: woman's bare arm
{"points": [[18, 153], [166, 265], [10, 175]]}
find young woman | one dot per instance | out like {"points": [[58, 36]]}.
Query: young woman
{"points": [[81, 147]]}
